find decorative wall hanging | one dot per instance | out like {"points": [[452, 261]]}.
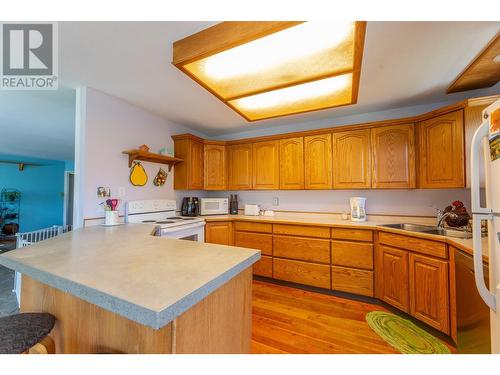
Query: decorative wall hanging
{"points": [[160, 178], [138, 176]]}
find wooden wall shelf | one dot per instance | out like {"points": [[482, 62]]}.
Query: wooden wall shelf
{"points": [[151, 157]]}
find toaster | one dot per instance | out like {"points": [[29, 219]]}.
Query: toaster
{"points": [[252, 209]]}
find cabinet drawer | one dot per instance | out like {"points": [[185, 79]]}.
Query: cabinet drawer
{"points": [[300, 248], [260, 241], [352, 254], [248, 226], [352, 280], [263, 267], [352, 234], [302, 272], [302, 230], [419, 245]]}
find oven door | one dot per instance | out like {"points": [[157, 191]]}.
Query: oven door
{"points": [[192, 232]]}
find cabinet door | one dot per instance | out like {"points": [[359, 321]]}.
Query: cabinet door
{"points": [[393, 157], [240, 167], [266, 165], [302, 272], [196, 174], [219, 232], [318, 161], [292, 163], [259, 241], [215, 167], [395, 277], [429, 293], [441, 152], [351, 153], [188, 174]]}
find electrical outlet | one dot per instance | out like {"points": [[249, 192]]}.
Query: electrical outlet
{"points": [[276, 201]]}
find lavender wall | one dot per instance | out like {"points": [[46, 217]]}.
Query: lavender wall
{"points": [[391, 202], [106, 126]]}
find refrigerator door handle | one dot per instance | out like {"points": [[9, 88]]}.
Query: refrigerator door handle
{"points": [[488, 297], [476, 147], [479, 213]]}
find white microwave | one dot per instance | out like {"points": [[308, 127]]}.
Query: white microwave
{"points": [[214, 206]]}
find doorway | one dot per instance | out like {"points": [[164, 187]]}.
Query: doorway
{"points": [[69, 187]]}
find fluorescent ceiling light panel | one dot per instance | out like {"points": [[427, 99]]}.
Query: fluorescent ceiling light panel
{"points": [[328, 92], [285, 68]]}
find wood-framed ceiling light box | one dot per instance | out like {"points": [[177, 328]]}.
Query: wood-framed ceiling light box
{"points": [[271, 69]]}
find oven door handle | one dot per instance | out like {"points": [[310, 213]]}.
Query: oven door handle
{"points": [[182, 227]]}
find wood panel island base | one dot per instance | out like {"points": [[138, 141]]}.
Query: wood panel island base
{"points": [[122, 290], [219, 324]]}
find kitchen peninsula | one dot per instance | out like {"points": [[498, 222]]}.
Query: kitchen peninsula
{"points": [[122, 290]]}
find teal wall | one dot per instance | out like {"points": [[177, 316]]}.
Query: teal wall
{"points": [[41, 187]]}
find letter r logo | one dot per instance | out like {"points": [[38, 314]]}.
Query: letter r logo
{"points": [[27, 49]]}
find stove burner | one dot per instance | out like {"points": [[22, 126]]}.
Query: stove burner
{"points": [[174, 218], [149, 221], [165, 222]]}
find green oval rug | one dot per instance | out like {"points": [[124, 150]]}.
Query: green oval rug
{"points": [[404, 335]]}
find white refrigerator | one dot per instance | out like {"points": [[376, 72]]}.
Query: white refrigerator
{"points": [[486, 144]]}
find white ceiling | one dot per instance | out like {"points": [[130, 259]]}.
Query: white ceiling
{"points": [[38, 123], [404, 64]]}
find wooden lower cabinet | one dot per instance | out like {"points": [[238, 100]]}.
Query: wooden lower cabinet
{"points": [[259, 241], [302, 248], [351, 234], [429, 291], [394, 277], [352, 254], [352, 280], [219, 232], [302, 272], [264, 267]]}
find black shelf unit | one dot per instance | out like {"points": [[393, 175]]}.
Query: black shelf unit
{"points": [[10, 203]]}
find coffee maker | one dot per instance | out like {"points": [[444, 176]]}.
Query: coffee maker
{"points": [[190, 206], [358, 212]]}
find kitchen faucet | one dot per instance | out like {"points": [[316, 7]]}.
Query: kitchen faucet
{"points": [[440, 216]]}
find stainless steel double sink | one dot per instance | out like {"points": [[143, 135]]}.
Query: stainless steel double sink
{"points": [[429, 230]]}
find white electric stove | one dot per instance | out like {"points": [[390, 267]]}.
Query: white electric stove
{"points": [[162, 212]]}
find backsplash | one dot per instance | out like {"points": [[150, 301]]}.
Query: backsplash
{"points": [[417, 202]]}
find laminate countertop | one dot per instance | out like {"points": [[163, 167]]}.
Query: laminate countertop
{"points": [[333, 220], [128, 271]]}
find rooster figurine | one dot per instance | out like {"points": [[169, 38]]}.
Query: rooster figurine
{"points": [[459, 217]]}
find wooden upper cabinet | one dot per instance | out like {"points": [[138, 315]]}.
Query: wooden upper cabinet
{"points": [[188, 175], [266, 165], [351, 160], [318, 161], [292, 163], [393, 157], [240, 167], [441, 151], [394, 276], [429, 292], [215, 167]]}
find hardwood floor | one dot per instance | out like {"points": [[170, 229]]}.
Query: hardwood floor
{"points": [[290, 320]]}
